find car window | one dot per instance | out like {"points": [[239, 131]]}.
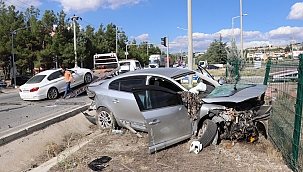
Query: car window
{"points": [[153, 99], [55, 75], [127, 83], [138, 66], [36, 79], [162, 82], [124, 63]]}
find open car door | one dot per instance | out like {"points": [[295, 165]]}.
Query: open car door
{"points": [[165, 116]]}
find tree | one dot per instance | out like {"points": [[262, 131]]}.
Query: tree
{"points": [[235, 63], [215, 53]]}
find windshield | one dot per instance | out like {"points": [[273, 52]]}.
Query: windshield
{"points": [[36, 79], [227, 90], [153, 61]]}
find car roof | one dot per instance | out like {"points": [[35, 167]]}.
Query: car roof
{"points": [[47, 72], [121, 61], [168, 72]]}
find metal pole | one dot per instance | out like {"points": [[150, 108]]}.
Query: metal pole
{"points": [[241, 16], [147, 48], [292, 48], [75, 48], [126, 52], [190, 42], [56, 62], [74, 18], [13, 59], [167, 51], [298, 115], [116, 40]]}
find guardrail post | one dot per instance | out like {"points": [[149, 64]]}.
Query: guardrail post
{"points": [[268, 65], [298, 115]]}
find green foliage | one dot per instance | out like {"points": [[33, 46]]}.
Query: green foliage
{"points": [[235, 62], [215, 53], [36, 47]]}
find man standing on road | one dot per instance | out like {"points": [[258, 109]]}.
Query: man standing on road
{"points": [[68, 77]]}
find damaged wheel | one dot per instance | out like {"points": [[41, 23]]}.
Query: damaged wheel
{"points": [[105, 119], [207, 132]]}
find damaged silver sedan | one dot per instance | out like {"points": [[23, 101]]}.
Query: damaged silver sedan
{"points": [[157, 101]]}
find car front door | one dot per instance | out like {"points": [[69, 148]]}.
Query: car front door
{"points": [[165, 115], [77, 77]]}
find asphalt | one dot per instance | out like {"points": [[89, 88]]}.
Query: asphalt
{"points": [[40, 124]]}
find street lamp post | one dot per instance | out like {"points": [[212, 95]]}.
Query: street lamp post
{"points": [[190, 41], [74, 18], [13, 54], [241, 28], [232, 24], [117, 39]]}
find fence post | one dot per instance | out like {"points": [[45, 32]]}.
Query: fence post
{"points": [[237, 72], [268, 65], [226, 69], [298, 115]]}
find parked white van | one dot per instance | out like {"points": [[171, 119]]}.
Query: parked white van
{"points": [[129, 65]]}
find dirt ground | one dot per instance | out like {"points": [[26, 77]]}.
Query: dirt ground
{"points": [[105, 151]]}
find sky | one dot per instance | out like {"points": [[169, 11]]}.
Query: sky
{"points": [[264, 22]]}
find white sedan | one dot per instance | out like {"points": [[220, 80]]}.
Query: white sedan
{"points": [[50, 83]]}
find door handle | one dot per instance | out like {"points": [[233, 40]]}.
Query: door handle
{"points": [[154, 122], [115, 101]]}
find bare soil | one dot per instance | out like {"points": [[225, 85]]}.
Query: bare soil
{"points": [[106, 151]]}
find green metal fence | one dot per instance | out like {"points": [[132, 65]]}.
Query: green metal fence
{"points": [[285, 81]]}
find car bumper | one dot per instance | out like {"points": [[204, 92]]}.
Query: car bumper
{"points": [[31, 96]]}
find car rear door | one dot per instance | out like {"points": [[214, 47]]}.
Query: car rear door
{"points": [[123, 103], [165, 115], [57, 80]]}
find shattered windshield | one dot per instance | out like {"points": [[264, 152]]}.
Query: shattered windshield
{"points": [[228, 90]]}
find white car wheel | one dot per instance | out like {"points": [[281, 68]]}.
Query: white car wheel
{"points": [[52, 93]]}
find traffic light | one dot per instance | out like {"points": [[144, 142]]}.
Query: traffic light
{"points": [[10, 61], [163, 41], [55, 59]]}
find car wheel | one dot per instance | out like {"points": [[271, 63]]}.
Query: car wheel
{"points": [[88, 78], [207, 132], [52, 93], [105, 119]]}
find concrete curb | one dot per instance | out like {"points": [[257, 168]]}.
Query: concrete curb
{"points": [[46, 166], [40, 125]]}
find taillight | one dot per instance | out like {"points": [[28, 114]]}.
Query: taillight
{"points": [[34, 89], [20, 90]]}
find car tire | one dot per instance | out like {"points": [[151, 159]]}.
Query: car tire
{"points": [[207, 132], [88, 78], [105, 119], [52, 93]]}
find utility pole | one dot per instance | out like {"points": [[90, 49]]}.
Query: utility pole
{"points": [[14, 69], [117, 40], [190, 41], [241, 28], [74, 18], [167, 51]]}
